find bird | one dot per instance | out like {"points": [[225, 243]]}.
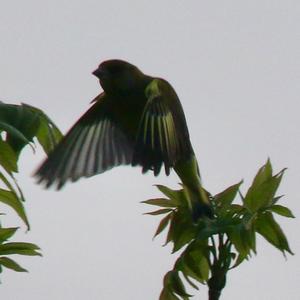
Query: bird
{"points": [[137, 120]]}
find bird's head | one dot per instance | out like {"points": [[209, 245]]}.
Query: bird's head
{"points": [[118, 76]]}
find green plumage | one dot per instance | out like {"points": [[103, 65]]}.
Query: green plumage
{"points": [[137, 120]]}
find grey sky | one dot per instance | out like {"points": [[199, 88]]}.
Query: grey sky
{"points": [[235, 66]]}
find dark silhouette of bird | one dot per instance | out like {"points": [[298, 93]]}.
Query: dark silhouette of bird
{"points": [[137, 120]]}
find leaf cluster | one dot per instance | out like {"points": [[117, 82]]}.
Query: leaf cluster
{"points": [[20, 126], [212, 247]]}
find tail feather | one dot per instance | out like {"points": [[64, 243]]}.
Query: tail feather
{"points": [[188, 172]]}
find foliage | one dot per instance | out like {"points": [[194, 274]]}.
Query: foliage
{"points": [[212, 247], [19, 125], [208, 248]]}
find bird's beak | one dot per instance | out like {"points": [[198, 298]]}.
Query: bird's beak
{"points": [[100, 73], [97, 73]]}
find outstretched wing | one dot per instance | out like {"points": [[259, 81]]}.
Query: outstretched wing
{"points": [[92, 146], [163, 137]]}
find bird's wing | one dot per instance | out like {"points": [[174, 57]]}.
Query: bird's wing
{"points": [[92, 146], [163, 135]]}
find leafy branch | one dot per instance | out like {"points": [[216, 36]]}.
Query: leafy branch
{"points": [[213, 247], [19, 126]]}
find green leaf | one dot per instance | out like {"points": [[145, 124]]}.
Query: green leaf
{"points": [[181, 230], [239, 260], [249, 238], [48, 134], [12, 200], [236, 209], [176, 285], [24, 122], [219, 225], [163, 224], [189, 271], [14, 134], [199, 265], [261, 196], [20, 125], [11, 264], [266, 226], [263, 174], [158, 212], [187, 276], [166, 294], [161, 202], [8, 158], [224, 199], [8, 184], [193, 262], [176, 195], [243, 238], [19, 248], [282, 210], [276, 199], [6, 233], [15, 190]]}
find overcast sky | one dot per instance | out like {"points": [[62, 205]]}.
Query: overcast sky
{"points": [[235, 66]]}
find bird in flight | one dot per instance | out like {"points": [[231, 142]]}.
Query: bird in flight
{"points": [[137, 120]]}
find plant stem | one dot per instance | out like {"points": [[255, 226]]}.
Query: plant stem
{"points": [[214, 294], [216, 283], [219, 268]]}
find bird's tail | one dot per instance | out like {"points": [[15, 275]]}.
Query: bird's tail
{"points": [[188, 172]]}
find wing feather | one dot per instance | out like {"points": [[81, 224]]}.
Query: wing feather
{"points": [[162, 137], [93, 145]]}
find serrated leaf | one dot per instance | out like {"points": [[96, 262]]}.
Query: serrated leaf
{"points": [[261, 196], [159, 212], [162, 202], [163, 224], [249, 238], [225, 198], [193, 262], [182, 265], [11, 199], [266, 226], [11, 264], [282, 211], [263, 174], [175, 195], [242, 238], [181, 230], [276, 199], [19, 248], [198, 264]]}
